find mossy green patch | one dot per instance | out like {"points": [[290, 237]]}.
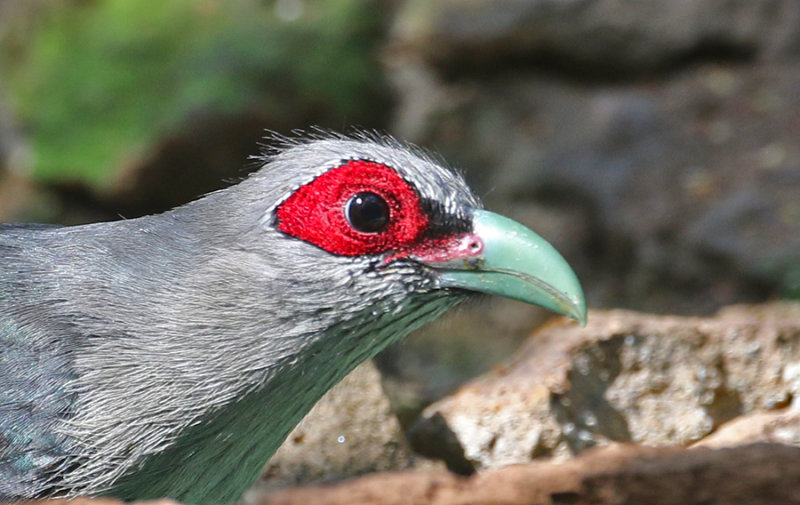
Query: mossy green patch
{"points": [[99, 82]]}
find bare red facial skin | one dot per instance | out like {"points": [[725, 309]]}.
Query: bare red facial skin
{"points": [[316, 214], [316, 211], [465, 247]]}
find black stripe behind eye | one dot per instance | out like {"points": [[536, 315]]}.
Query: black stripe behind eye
{"points": [[441, 222]]}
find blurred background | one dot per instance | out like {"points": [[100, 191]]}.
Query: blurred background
{"points": [[655, 144]]}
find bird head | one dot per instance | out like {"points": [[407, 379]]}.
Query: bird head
{"points": [[392, 221]]}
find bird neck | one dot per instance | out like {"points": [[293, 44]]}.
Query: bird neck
{"points": [[217, 459]]}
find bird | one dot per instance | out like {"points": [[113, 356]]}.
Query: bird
{"points": [[169, 355]]}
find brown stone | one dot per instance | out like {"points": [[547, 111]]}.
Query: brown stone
{"points": [[780, 426], [748, 475], [626, 377]]}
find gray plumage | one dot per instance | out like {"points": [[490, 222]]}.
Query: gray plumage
{"points": [[170, 355]]}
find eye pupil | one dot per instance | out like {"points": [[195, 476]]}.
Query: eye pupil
{"points": [[367, 212]]}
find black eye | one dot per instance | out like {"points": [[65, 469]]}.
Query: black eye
{"points": [[367, 212]]}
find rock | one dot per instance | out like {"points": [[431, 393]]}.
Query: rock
{"points": [[626, 377], [604, 36], [764, 313], [750, 475], [351, 431], [780, 427]]}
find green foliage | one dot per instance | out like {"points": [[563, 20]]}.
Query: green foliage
{"points": [[100, 81]]}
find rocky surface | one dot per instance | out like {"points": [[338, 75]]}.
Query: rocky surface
{"points": [[607, 37], [626, 377], [781, 427], [749, 475]]}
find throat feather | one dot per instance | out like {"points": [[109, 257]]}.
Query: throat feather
{"points": [[219, 457]]}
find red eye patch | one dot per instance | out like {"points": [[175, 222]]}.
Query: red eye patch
{"points": [[316, 212]]}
